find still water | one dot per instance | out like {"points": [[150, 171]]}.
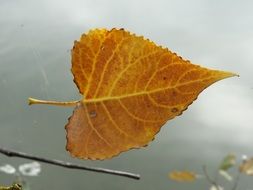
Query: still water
{"points": [[35, 42]]}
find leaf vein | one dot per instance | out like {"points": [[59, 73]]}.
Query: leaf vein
{"points": [[157, 104], [135, 117], [94, 64], [112, 120], [127, 67], [95, 130], [106, 64]]}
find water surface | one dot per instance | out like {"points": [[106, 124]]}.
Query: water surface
{"points": [[35, 42]]}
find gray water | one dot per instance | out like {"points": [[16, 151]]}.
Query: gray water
{"points": [[35, 42]]}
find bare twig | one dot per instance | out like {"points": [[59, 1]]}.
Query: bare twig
{"points": [[236, 181], [12, 153], [209, 179]]}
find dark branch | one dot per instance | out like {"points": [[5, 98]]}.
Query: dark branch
{"points": [[12, 153]]}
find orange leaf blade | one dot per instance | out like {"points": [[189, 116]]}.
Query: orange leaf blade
{"points": [[131, 87]]}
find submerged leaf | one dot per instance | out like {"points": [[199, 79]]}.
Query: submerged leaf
{"points": [[183, 176], [246, 167], [228, 162]]}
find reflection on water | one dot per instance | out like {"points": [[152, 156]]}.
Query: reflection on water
{"points": [[8, 169], [36, 37], [28, 169]]}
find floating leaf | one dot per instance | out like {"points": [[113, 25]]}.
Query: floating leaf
{"points": [[131, 88], [228, 162], [246, 167], [183, 176]]}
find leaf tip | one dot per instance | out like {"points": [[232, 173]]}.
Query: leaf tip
{"points": [[231, 74], [220, 75], [226, 74]]}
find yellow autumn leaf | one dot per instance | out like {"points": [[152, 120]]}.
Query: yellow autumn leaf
{"points": [[246, 167], [131, 87], [228, 162], [183, 176]]}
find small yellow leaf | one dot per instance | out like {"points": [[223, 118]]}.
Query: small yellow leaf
{"points": [[246, 167], [228, 162], [183, 176]]}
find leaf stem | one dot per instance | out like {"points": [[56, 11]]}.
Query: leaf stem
{"points": [[32, 101]]}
